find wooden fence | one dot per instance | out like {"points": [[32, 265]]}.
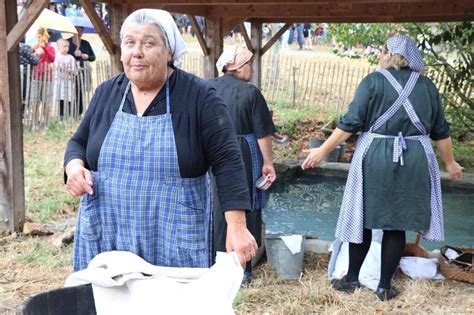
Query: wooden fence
{"points": [[58, 92], [327, 85]]}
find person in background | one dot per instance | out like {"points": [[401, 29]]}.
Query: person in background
{"points": [[394, 181], [42, 72], [82, 51], [65, 69], [27, 58], [254, 126], [140, 158]]}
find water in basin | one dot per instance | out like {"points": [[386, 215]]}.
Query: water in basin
{"points": [[309, 205]]}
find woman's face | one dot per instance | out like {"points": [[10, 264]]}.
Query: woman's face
{"points": [[145, 56], [383, 57], [245, 72]]}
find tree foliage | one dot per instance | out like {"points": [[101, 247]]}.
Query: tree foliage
{"points": [[448, 54]]}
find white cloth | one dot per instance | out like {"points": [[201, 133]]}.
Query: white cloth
{"points": [[369, 275], [124, 283], [420, 268], [227, 55], [165, 20], [293, 242]]}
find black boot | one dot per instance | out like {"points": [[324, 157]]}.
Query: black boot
{"points": [[386, 294], [344, 285]]}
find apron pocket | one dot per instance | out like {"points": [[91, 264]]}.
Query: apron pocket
{"points": [[89, 220], [191, 222]]}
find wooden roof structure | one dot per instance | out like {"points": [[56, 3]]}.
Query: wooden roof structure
{"points": [[221, 16]]}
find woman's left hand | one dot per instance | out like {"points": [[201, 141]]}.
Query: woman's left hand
{"points": [[240, 240], [454, 170]]}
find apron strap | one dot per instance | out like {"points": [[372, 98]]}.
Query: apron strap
{"points": [[167, 96], [127, 89], [406, 104]]}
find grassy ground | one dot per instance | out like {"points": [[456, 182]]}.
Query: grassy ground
{"points": [[33, 264]]}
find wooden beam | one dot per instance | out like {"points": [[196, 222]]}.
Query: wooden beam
{"points": [[29, 16], [191, 10], [251, 2], [246, 36], [363, 19], [275, 38], [12, 194], [229, 24], [117, 13], [453, 9], [199, 35], [256, 37], [215, 42], [98, 25]]}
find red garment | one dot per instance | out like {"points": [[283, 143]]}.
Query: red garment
{"points": [[43, 70]]}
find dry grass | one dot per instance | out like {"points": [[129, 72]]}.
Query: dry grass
{"points": [[313, 294], [33, 265]]}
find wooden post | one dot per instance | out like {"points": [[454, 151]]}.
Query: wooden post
{"points": [[12, 195], [117, 13], [215, 44], [256, 38]]}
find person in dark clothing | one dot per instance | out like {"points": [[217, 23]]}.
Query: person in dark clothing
{"points": [[27, 58], [394, 181], [141, 156], [82, 51], [253, 123]]}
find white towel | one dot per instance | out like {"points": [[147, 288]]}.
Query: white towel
{"points": [[124, 283]]}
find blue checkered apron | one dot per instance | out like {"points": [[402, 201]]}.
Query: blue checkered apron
{"points": [[260, 197], [141, 203], [351, 218]]}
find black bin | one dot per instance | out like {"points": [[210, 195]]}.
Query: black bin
{"points": [[72, 300]]}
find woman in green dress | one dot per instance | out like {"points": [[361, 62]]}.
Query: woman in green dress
{"points": [[394, 181]]}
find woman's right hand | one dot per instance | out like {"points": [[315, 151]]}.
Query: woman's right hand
{"points": [[315, 156], [454, 170], [79, 179]]}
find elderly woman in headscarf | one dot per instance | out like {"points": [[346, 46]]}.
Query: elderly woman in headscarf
{"points": [[394, 179], [253, 124], [141, 154]]}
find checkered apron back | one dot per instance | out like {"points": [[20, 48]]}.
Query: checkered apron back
{"points": [[351, 218], [260, 197], [141, 203]]}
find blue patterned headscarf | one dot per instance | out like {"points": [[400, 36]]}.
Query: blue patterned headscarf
{"points": [[405, 46]]}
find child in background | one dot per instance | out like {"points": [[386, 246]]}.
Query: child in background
{"points": [[65, 66], [277, 138]]}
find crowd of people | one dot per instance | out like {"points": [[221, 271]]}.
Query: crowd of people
{"points": [[59, 65], [154, 136]]}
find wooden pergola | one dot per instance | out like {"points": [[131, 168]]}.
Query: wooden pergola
{"points": [[221, 16]]}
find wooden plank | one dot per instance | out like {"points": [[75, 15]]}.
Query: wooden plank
{"points": [[229, 24], [256, 38], [215, 43], [117, 13], [275, 37], [246, 36], [199, 35], [338, 9], [98, 25], [269, 2], [12, 196], [29, 16]]}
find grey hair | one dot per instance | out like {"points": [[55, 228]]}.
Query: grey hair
{"points": [[395, 61], [141, 17]]}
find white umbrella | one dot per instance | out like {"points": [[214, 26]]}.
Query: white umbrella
{"points": [[52, 20]]}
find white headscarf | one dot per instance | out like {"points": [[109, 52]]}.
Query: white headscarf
{"points": [[165, 20], [233, 58]]}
